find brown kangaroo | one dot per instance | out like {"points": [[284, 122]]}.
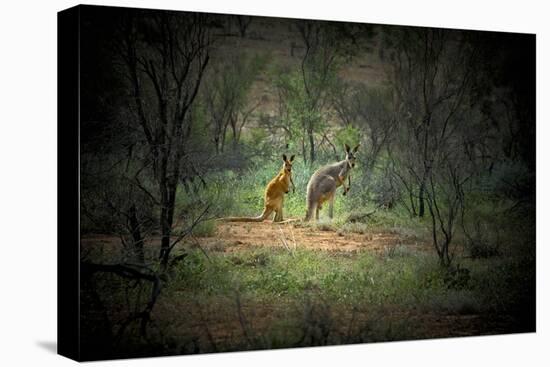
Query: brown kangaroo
{"points": [[274, 195]]}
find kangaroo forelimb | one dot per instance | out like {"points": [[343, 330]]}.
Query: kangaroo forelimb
{"points": [[349, 185], [342, 180]]}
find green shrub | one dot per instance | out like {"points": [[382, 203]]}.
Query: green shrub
{"points": [[205, 228]]}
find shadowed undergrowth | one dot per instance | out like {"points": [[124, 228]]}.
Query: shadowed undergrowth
{"points": [[272, 298]]}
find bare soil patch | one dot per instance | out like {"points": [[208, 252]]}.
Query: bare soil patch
{"points": [[231, 237], [235, 237]]}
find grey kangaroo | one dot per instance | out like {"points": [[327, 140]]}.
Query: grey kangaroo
{"points": [[323, 183]]}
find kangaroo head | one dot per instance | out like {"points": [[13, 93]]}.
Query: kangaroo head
{"points": [[350, 154], [287, 166]]}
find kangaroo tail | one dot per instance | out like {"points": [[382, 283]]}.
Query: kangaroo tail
{"points": [[259, 218]]}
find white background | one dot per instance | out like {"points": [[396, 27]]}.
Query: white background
{"points": [[28, 167]]}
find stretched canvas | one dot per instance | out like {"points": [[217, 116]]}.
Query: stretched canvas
{"points": [[234, 183]]}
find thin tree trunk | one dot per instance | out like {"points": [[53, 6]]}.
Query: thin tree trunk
{"points": [[311, 146], [235, 134], [223, 137], [167, 217], [304, 154], [421, 193], [136, 233]]}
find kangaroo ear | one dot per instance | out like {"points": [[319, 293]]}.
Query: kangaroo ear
{"points": [[355, 149], [292, 157], [284, 157], [346, 148]]}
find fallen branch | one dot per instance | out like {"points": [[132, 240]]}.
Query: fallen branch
{"points": [[293, 238], [283, 240], [123, 270], [359, 216]]}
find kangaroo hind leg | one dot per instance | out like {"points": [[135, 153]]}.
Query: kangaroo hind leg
{"points": [[311, 208], [279, 214], [266, 213], [331, 206]]}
